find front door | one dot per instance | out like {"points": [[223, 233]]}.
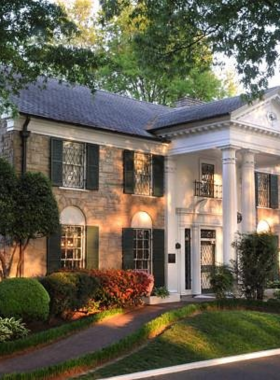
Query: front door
{"points": [[207, 251]]}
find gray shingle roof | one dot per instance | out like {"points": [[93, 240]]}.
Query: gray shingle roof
{"points": [[184, 115], [77, 105]]}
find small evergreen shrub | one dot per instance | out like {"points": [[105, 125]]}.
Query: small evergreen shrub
{"points": [[221, 280], [24, 298], [12, 329], [122, 288], [69, 291], [161, 292]]}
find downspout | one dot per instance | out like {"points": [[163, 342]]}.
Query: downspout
{"points": [[24, 133]]}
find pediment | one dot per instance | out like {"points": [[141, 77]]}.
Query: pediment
{"points": [[263, 114]]}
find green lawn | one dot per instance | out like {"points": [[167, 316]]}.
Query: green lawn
{"points": [[208, 335]]}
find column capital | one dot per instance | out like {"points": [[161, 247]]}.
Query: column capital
{"points": [[229, 147]]}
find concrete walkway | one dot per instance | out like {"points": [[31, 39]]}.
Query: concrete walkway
{"points": [[89, 340]]}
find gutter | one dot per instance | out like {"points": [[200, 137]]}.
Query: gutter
{"points": [[24, 133]]}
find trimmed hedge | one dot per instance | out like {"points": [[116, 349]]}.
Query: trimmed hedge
{"points": [[122, 288], [24, 298], [69, 291]]}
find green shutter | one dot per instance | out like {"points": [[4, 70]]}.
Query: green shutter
{"points": [[158, 257], [256, 189], [127, 248], [128, 172], [54, 252], [273, 191], [56, 161], [158, 176], [92, 167], [92, 247]]}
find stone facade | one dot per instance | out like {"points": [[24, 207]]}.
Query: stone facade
{"points": [[108, 208]]}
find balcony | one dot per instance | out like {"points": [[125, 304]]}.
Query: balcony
{"points": [[207, 189]]}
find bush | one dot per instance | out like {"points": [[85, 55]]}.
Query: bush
{"points": [[221, 280], [69, 291], [12, 329], [122, 288], [24, 298], [256, 258], [161, 292]]}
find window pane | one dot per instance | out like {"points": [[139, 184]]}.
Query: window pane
{"points": [[263, 189], [72, 247], [143, 173], [142, 249], [73, 165]]}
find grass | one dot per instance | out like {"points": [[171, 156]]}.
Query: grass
{"points": [[208, 335], [53, 334], [136, 339]]}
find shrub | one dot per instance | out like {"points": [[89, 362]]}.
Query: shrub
{"points": [[122, 288], [69, 291], [24, 298], [221, 280], [12, 329], [161, 292], [256, 258]]}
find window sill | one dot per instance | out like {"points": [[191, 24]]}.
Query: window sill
{"points": [[73, 189], [146, 196], [267, 208]]}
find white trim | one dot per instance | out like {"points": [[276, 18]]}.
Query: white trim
{"points": [[196, 365], [90, 135]]}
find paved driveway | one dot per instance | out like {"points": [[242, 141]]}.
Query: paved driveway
{"points": [[257, 369]]}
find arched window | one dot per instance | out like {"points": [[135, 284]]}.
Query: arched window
{"points": [[142, 236], [72, 238]]}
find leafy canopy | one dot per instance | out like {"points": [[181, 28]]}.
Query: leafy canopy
{"points": [[129, 65], [36, 40], [249, 31]]}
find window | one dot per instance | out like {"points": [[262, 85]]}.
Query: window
{"points": [[142, 249], [143, 174], [266, 190], [75, 245], [206, 187], [72, 246], [73, 164]]}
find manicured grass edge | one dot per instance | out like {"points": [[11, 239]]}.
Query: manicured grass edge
{"points": [[54, 334], [147, 331]]}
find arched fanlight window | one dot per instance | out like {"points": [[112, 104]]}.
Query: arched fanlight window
{"points": [[72, 238], [142, 226]]}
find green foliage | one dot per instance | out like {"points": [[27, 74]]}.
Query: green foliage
{"points": [[36, 40], [161, 292], [249, 31], [69, 291], [256, 257], [221, 280], [28, 211], [36, 212], [53, 334], [141, 336], [8, 181], [24, 298], [12, 329]]}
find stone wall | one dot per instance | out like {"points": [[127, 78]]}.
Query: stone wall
{"points": [[109, 208]]}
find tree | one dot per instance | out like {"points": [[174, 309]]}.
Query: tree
{"points": [[8, 181], [128, 67], [256, 258], [249, 31], [32, 213], [36, 40]]}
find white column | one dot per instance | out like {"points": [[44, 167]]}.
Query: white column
{"points": [[229, 202], [196, 261], [248, 192], [173, 277]]}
